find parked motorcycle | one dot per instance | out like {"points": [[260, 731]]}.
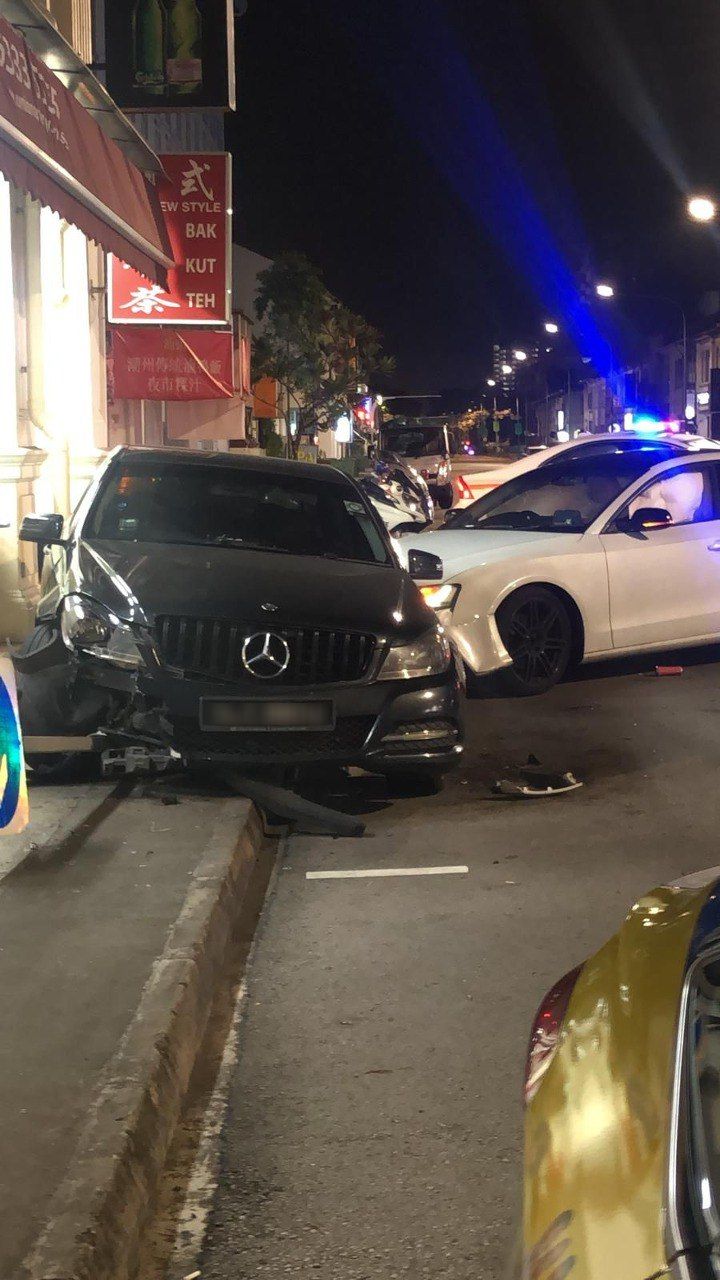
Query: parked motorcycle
{"points": [[399, 509]]}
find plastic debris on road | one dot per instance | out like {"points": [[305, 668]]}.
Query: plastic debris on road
{"points": [[535, 783]]}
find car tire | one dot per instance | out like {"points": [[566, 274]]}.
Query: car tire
{"points": [[406, 783], [536, 628], [445, 497]]}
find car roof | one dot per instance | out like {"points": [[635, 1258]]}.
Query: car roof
{"points": [[271, 466], [652, 452], [682, 438]]}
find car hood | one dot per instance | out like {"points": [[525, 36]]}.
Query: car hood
{"points": [[611, 1080], [461, 549], [139, 581]]}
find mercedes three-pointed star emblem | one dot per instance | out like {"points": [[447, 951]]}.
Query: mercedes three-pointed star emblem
{"points": [[265, 655]]}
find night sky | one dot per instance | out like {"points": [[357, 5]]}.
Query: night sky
{"points": [[447, 163]]}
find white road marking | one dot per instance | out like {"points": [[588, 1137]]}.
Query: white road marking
{"points": [[194, 1216], [386, 871]]}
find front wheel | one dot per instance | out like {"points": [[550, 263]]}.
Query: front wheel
{"points": [[536, 629]]}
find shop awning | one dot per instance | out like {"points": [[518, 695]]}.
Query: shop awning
{"points": [[51, 146]]}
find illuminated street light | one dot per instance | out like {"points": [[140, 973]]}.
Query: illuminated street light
{"points": [[506, 369], [491, 382], [604, 291], [551, 327], [701, 209], [520, 355]]}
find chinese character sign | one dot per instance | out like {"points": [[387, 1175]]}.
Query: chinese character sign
{"points": [[195, 199], [166, 364]]}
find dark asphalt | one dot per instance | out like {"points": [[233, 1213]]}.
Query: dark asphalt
{"points": [[374, 1121]]}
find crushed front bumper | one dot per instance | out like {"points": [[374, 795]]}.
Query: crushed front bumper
{"points": [[383, 726]]}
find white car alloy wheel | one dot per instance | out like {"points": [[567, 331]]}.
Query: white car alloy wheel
{"points": [[536, 629]]}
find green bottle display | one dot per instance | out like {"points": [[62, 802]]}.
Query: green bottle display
{"points": [[184, 46], [149, 46]]}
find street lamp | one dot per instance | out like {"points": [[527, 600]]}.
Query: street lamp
{"points": [[551, 327], [604, 290], [520, 355], [506, 369], [491, 382], [701, 209]]}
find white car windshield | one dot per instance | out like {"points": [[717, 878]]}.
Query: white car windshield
{"points": [[562, 498]]}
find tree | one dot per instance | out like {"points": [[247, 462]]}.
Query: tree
{"points": [[315, 348]]}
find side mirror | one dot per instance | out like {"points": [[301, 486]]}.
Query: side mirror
{"points": [[44, 530], [424, 566], [645, 519]]}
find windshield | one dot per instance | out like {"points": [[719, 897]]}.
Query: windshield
{"points": [[413, 442], [153, 500], [559, 498]]}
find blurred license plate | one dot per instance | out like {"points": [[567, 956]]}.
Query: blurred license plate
{"points": [[235, 713]]}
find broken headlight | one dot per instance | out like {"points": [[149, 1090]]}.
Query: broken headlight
{"points": [[88, 627]]}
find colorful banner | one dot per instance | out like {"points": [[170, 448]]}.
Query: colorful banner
{"points": [[159, 364], [195, 199], [167, 54], [14, 808]]}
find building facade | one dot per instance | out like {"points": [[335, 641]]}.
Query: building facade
{"points": [[60, 138]]}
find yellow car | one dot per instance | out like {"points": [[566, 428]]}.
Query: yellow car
{"points": [[622, 1121]]}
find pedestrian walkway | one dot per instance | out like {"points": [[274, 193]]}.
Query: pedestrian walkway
{"points": [[88, 897]]}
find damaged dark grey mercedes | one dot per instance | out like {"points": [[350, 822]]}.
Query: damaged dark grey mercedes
{"points": [[209, 609]]}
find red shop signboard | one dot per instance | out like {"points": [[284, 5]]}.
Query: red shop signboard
{"points": [[195, 199], [162, 364]]}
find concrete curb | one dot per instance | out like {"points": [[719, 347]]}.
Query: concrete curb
{"points": [[99, 1211]]}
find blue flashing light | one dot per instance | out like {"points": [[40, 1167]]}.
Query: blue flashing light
{"points": [[530, 218], [647, 425]]}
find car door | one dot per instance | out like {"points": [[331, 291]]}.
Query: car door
{"points": [[664, 583]]}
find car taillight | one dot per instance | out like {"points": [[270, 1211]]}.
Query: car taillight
{"points": [[463, 488], [546, 1031]]}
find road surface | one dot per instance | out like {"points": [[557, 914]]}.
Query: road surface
{"points": [[374, 1113]]}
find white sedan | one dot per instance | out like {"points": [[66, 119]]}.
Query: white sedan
{"points": [[472, 485], [582, 560]]}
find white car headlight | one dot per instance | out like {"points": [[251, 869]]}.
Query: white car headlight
{"points": [[88, 627], [443, 596], [429, 655]]}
